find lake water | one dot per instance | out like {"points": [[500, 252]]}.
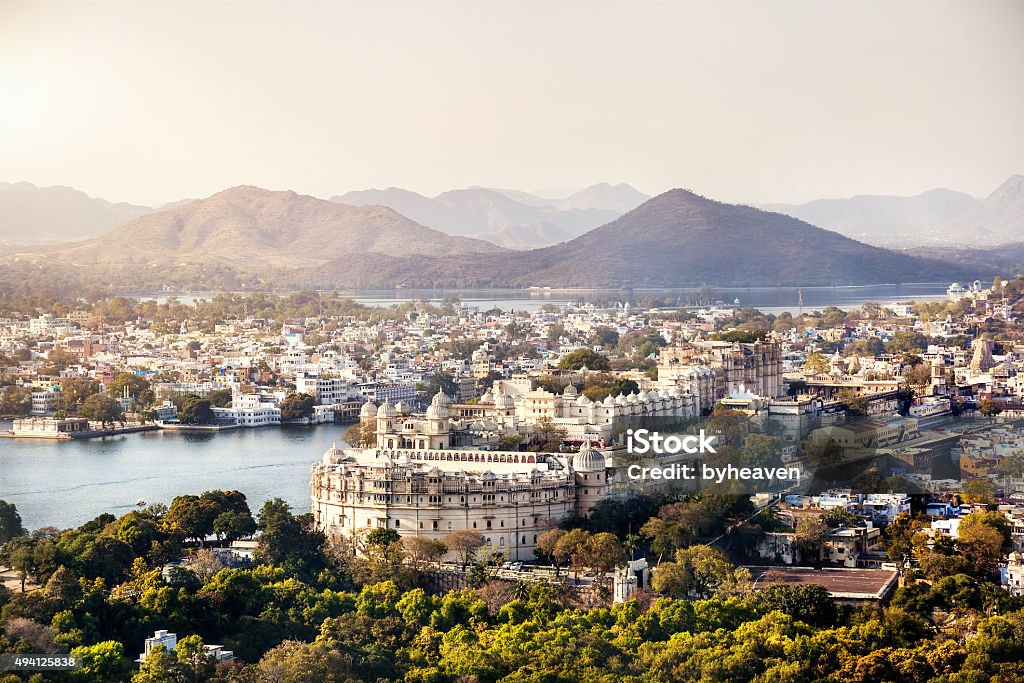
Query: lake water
{"points": [[768, 299], [67, 483]]}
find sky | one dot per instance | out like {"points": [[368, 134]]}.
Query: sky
{"points": [[743, 101]]}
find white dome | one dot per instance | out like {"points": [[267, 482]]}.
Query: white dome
{"points": [[369, 409], [588, 460], [570, 390], [386, 410], [441, 398], [504, 401], [333, 455], [402, 408], [435, 411]]}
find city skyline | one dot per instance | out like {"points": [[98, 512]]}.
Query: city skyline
{"points": [[743, 102]]}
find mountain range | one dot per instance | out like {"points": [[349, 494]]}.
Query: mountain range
{"points": [[678, 238], [936, 217], [675, 239], [509, 218], [37, 214], [252, 228]]}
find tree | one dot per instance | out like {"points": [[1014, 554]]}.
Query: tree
{"points": [[809, 603], [573, 548], [297, 662], [101, 408], [19, 555], [551, 435], [194, 664], [137, 387], [288, 540], [581, 358], [671, 579], [546, 543], [422, 550], [16, 401], [232, 525], [989, 408], [464, 543], [160, 666], [817, 364], [191, 517], [907, 341], [297, 406], [74, 391], [362, 434], [10, 522], [979, 492], [100, 663], [605, 552], [707, 568], [382, 536], [195, 411], [810, 535]]}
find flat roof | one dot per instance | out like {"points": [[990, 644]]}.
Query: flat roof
{"points": [[840, 582]]}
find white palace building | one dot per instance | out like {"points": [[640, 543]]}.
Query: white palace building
{"points": [[451, 467], [417, 482]]}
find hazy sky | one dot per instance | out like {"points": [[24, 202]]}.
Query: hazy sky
{"points": [[743, 101]]}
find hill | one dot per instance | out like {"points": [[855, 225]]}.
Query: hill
{"points": [[35, 214], [675, 239], [885, 220], [492, 215], [999, 218], [251, 228]]}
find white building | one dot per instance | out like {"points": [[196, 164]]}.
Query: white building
{"points": [[416, 483]]}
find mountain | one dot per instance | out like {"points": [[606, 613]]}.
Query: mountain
{"points": [[675, 239], [491, 214], [35, 214], [1006, 259], [251, 228], [885, 220], [999, 218], [618, 198]]}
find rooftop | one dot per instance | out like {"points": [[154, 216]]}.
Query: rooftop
{"points": [[854, 584]]}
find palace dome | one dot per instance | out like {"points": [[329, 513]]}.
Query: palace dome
{"points": [[588, 460], [369, 409]]}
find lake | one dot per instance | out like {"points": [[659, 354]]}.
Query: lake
{"points": [[67, 483], [768, 299]]}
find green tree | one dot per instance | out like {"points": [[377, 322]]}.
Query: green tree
{"points": [[137, 387], [989, 408], [100, 663], [195, 411], [816, 364], [101, 408], [288, 540], [297, 406], [15, 401], [10, 522], [581, 358]]}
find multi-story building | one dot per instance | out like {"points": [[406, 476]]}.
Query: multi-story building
{"points": [[713, 370], [418, 483]]}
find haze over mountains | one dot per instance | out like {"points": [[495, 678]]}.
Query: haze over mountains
{"points": [[34, 214], [510, 218], [675, 239], [251, 228], [936, 217]]}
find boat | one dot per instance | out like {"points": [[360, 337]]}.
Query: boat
{"points": [[141, 502]]}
